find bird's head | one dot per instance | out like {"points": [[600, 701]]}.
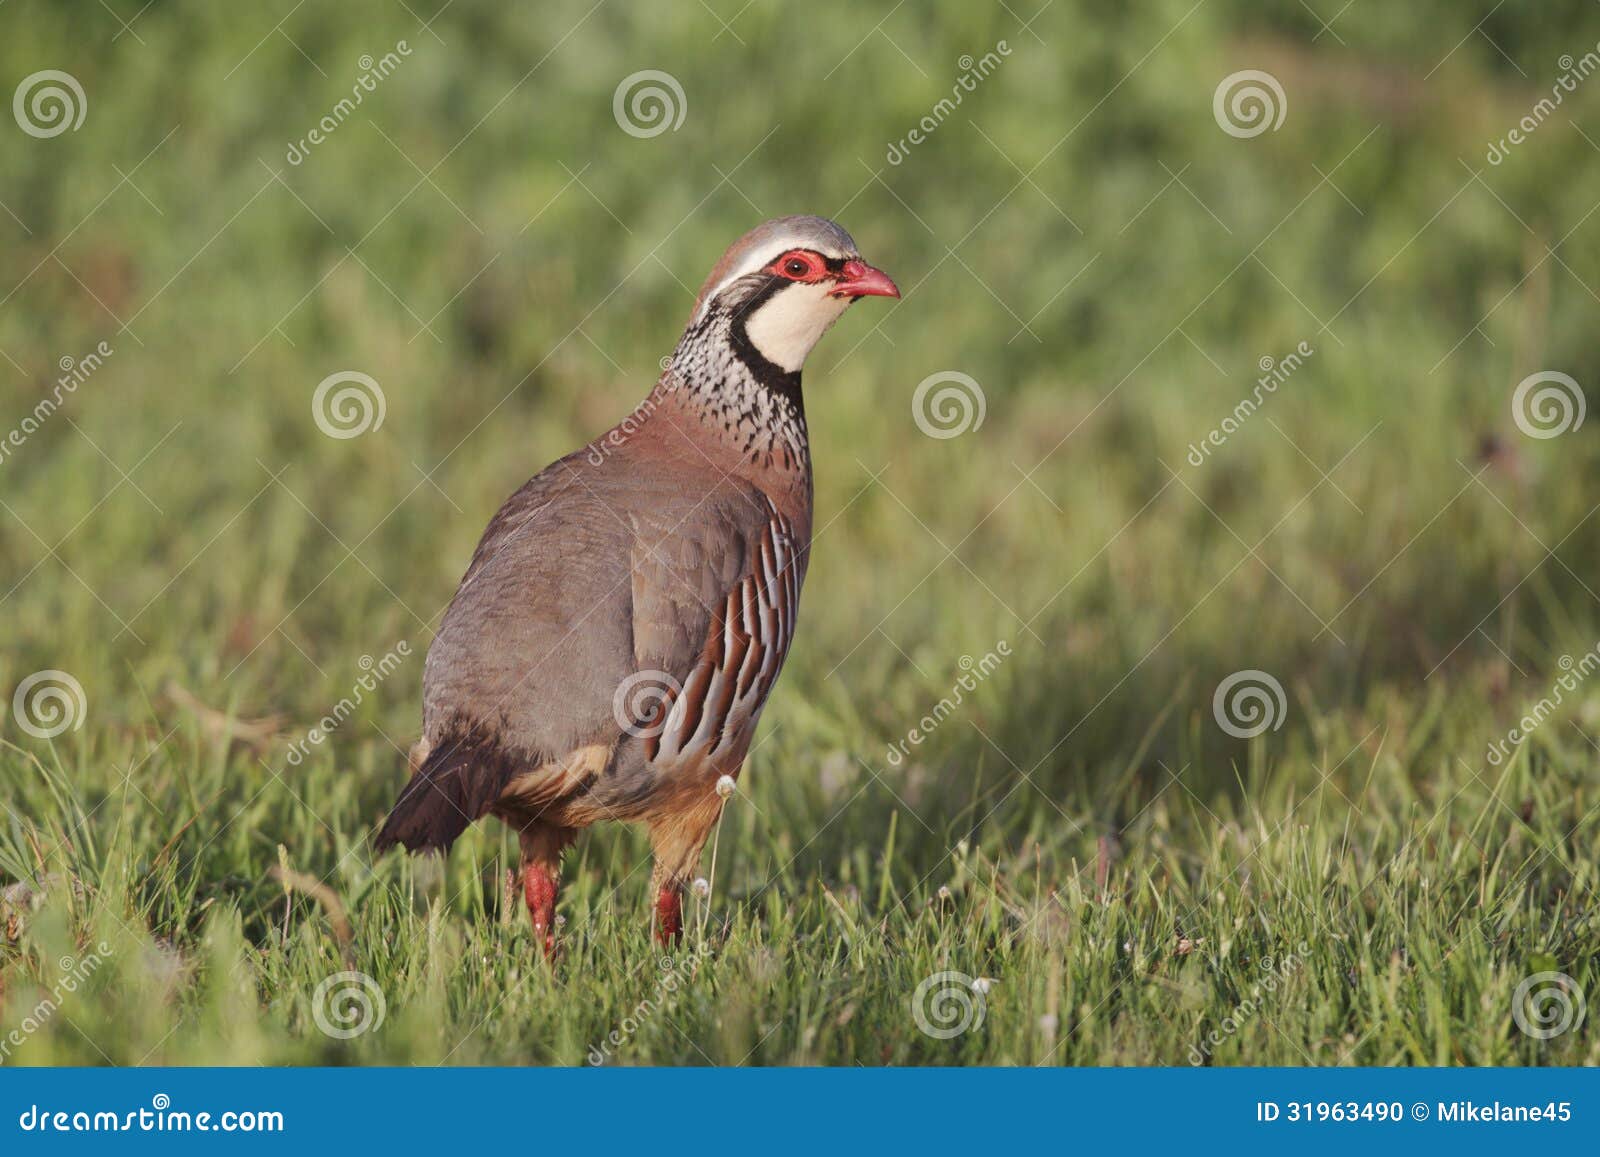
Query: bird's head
{"points": [[783, 284]]}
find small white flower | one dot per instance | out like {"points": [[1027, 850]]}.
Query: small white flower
{"points": [[701, 886], [944, 892], [726, 786], [982, 984], [1048, 1023]]}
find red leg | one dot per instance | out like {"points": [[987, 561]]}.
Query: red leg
{"points": [[669, 914], [541, 876], [676, 841], [541, 884]]}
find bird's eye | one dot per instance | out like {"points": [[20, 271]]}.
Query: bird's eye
{"points": [[794, 267]]}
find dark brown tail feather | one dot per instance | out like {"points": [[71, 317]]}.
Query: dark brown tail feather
{"points": [[454, 786]]}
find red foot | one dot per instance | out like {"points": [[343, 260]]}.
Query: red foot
{"points": [[540, 886], [669, 915]]}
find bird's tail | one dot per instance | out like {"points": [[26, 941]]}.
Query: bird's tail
{"points": [[445, 794]]}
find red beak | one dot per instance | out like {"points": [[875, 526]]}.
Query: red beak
{"points": [[861, 280]]}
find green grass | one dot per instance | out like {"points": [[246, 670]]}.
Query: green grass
{"points": [[1360, 885]]}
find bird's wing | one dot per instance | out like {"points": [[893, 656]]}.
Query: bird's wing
{"points": [[539, 632], [591, 575], [592, 579], [716, 587]]}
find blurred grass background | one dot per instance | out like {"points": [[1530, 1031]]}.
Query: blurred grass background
{"points": [[1082, 238]]}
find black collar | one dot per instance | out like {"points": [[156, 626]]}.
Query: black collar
{"points": [[784, 383]]}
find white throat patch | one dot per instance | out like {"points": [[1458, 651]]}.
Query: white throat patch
{"points": [[787, 325]]}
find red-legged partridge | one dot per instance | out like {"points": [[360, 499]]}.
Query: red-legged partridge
{"points": [[626, 613]]}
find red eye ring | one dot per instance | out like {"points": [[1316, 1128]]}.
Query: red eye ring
{"points": [[799, 265]]}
